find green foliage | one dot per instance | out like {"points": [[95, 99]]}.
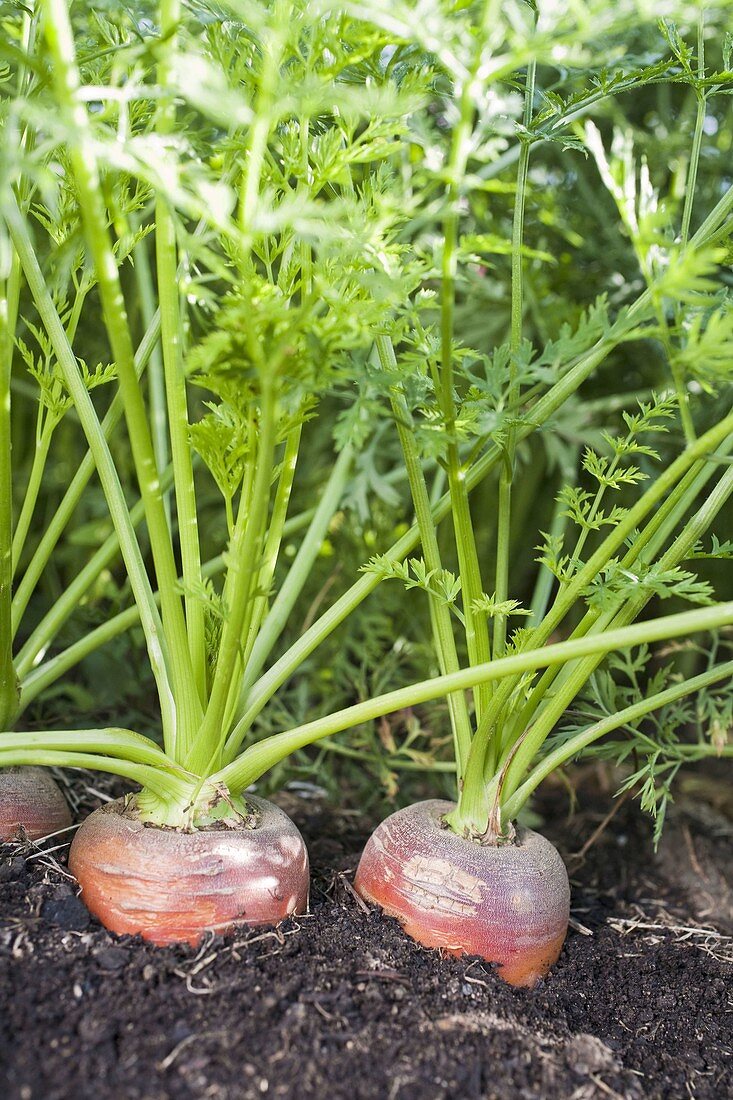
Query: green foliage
{"points": [[670, 738], [448, 245]]}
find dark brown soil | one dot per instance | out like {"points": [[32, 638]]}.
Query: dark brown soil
{"points": [[339, 1004]]}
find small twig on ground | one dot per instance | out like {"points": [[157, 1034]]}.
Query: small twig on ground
{"points": [[578, 857], [706, 939], [350, 890]]}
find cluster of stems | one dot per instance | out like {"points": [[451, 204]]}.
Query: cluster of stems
{"points": [[210, 701]]}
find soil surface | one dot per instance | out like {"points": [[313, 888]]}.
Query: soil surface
{"points": [[340, 1004]]}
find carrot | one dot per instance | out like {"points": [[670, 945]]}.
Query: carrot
{"points": [[172, 886], [32, 801], [509, 904]]}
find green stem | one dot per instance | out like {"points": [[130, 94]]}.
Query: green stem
{"points": [[440, 614], [540, 412], [546, 579], [655, 494], [43, 675], [164, 785], [72, 596], [697, 136], [187, 711], [589, 520], [476, 626], [667, 482], [648, 543], [112, 741], [243, 569], [156, 380], [678, 373], [175, 379], [430, 764], [472, 808], [75, 491], [38, 679], [102, 459], [35, 479], [298, 574], [518, 757], [175, 388], [270, 557], [73, 494], [270, 551], [262, 115], [258, 758], [574, 745], [9, 292], [506, 477], [545, 407], [9, 299]]}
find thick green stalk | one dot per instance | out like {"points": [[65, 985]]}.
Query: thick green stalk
{"points": [[298, 574], [566, 598], [164, 785], [9, 299], [113, 742], [545, 407], [440, 613], [9, 291], [258, 758], [72, 596], [506, 476], [518, 758], [156, 379], [35, 479], [175, 379], [648, 543], [701, 98], [187, 711], [574, 745], [270, 556], [475, 799], [243, 569], [102, 459], [43, 675], [268, 563], [72, 496], [476, 626]]}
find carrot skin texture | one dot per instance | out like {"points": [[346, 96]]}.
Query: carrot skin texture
{"points": [[30, 798], [171, 886], [508, 904]]}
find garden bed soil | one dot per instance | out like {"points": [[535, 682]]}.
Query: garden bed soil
{"points": [[340, 1004]]}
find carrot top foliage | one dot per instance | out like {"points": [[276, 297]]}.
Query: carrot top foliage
{"points": [[295, 221]]}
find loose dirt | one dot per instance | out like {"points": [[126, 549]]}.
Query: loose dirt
{"points": [[339, 1004]]}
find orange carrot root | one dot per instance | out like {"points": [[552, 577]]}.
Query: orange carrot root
{"points": [[31, 799], [509, 904], [172, 886]]}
